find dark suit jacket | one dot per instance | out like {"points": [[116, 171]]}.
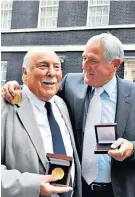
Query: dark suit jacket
{"points": [[75, 92]]}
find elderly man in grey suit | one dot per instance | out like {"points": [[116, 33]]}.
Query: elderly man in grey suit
{"points": [[26, 133], [115, 171]]}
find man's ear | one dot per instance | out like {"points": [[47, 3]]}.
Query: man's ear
{"points": [[24, 75], [24, 71], [116, 63]]}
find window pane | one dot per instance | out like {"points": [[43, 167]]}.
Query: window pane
{"points": [[43, 2], [3, 71], [3, 67], [56, 2], [43, 12], [48, 12], [1, 5], [92, 12], [105, 9], [94, 1], [98, 13], [100, 1], [55, 12], [6, 13], [92, 21], [5, 4], [2, 83], [54, 22], [98, 20], [49, 2], [41, 22], [107, 2], [48, 22], [105, 20], [3, 75]]}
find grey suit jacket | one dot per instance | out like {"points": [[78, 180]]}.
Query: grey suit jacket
{"points": [[75, 93], [23, 156]]}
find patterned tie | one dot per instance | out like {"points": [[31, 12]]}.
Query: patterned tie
{"points": [[58, 144], [89, 160]]}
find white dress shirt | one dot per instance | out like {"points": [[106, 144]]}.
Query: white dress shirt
{"points": [[44, 127]]}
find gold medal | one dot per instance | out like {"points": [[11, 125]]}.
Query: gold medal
{"points": [[17, 98], [58, 173]]}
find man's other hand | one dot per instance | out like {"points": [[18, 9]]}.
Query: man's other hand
{"points": [[8, 90], [47, 189], [125, 149]]}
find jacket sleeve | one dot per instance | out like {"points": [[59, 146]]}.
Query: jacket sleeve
{"points": [[13, 182], [18, 184]]}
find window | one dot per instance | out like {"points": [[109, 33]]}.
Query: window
{"points": [[48, 13], [133, 75], [6, 13], [129, 68], [3, 72], [98, 12]]}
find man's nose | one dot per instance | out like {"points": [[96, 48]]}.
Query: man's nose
{"points": [[89, 65], [85, 65], [51, 70]]}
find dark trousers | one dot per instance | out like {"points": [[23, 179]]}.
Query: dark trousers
{"points": [[97, 192]]}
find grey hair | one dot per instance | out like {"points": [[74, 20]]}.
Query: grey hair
{"points": [[26, 59], [113, 47]]}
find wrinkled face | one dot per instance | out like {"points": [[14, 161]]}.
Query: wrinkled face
{"points": [[97, 70], [44, 75]]}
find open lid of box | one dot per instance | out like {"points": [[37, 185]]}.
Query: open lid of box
{"points": [[106, 133], [59, 159]]}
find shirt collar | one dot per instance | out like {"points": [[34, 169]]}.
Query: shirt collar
{"points": [[34, 99], [110, 87]]}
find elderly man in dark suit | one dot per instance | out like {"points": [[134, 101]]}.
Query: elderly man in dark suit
{"points": [[113, 174], [102, 57], [27, 134]]}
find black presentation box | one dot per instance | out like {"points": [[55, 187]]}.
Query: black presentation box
{"points": [[106, 134], [60, 161]]}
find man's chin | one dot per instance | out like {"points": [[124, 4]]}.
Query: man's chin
{"points": [[88, 81], [49, 95], [91, 83], [45, 98]]}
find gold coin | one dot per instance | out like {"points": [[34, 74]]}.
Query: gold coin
{"points": [[58, 173], [17, 98]]}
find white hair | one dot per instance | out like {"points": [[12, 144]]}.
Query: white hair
{"points": [[26, 59], [112, 46]]}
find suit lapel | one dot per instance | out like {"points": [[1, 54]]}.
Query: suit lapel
{"points": [[123, 107], [26, 115], [79, 110], [63, 110], [80, 98]]}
